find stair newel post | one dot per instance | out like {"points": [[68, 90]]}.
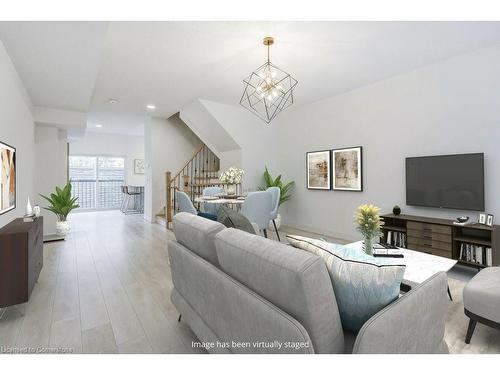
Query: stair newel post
{"points": [[205, 162], [168, 206]]}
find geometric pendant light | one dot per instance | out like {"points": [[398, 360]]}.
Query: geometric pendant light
{"points": [[268, 90]]}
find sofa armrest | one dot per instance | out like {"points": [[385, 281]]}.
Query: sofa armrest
{"points": [[414, 323]]}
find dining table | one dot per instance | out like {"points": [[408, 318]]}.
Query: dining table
{"points": [[232, 202]]}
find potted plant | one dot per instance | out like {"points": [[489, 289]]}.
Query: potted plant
{"points": [[369, 224], [285, 191], [61, 204]]}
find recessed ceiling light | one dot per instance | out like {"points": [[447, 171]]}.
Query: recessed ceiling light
{"points": [[151, 106], [98, 126], [113, 101]]}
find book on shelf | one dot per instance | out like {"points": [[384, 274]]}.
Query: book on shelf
{"points": [[396, 238], [476, 254]]}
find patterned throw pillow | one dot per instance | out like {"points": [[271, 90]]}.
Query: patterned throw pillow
{"points": [[232, 219], [363, 284]]}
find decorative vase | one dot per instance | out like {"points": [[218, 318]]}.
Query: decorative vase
{"points": [[36, 210], [231, 189], [277, 221], [396, 210], [29, 209], [62, 228], [368, 245]]}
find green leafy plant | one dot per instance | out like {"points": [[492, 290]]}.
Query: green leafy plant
{"points": [[285, 188], [61, 202]]}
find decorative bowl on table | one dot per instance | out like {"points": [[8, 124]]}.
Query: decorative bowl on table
{"points": [[462, 219]]}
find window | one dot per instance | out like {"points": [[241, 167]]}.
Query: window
{"points": [[97, 180]]}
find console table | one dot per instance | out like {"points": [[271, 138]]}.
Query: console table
{"points": [[443, 238], [21, 260]]}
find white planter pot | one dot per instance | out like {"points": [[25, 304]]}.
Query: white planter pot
{"points": [[277, 221], [62, 228]]}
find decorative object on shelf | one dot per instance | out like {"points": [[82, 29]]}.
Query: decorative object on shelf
{"points": [[61, 203], [268, 89], [7, 178], [369, 224], [348, 169], [318, 164], [232, 177], [29, 218], [29, 209], [138, 166], [36, 210], [489, 220], [396, 210], [285, 195], [482, 219], [462, 220]]}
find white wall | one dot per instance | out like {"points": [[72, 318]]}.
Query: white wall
{"points": [[258, 142], [445, 108], [17, 130], [169, 144], [51, 168], [130, 146]]}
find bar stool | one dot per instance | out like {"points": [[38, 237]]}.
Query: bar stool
{"points": [[131, 195], [124, 198]]}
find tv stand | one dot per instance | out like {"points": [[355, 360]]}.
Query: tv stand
{"points": [[443, 238]]}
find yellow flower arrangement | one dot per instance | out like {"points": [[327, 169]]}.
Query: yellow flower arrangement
{"points": [[368, 221]]}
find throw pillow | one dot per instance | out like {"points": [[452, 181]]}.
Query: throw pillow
{"points": [[232, 219], [363, 284]]}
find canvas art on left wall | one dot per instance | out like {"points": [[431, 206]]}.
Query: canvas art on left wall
{"points": [[7, 178]]}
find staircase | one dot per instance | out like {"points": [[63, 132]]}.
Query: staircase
{"points": [[199, 172]]}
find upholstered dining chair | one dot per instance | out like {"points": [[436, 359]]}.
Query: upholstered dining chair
{"points": [[185, 205], [211, 208], [257, 209], [275, 193]]}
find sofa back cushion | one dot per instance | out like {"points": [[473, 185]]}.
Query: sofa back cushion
{"points": [[363, 284], [197, 234], [291, 279]]}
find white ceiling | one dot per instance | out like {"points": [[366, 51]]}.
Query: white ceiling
{"points": [[121, 123], [57, 61], [172, 63]]}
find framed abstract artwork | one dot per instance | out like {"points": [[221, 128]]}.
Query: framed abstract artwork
{"points": [[318, 170], [7, 178], [138, 166], [348, 169]]}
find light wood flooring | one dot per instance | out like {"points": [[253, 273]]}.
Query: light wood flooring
{"points": [[106, 289]]}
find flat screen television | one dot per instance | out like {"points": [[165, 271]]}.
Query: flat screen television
{"points": [[7, 178], [446, 181]]}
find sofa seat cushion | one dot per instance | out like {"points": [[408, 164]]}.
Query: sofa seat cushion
{"points": [[363, 284], [293, 280], [197, 234], [482, 294]]}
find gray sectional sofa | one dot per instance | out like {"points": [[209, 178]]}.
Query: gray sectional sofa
{"points": [[242, 293]]}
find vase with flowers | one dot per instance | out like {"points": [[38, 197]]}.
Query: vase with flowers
{"points": [[232, 177], [369, 224]]}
